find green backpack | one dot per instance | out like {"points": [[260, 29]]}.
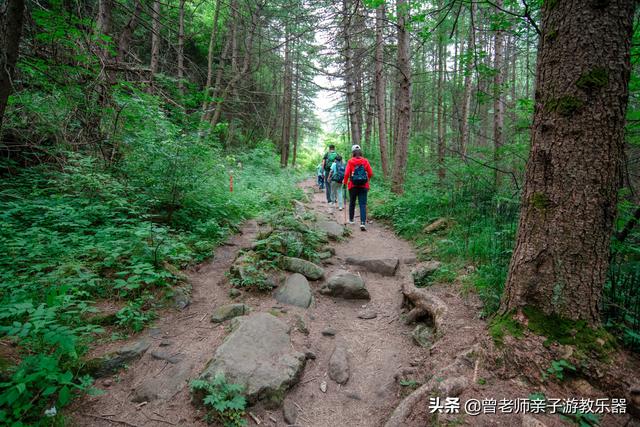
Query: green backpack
{"points": [[331, 156]]}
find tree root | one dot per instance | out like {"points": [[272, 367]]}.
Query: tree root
{"points": [[424, 304]]}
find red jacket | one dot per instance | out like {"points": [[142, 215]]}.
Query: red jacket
{"points": [[351, 166]]}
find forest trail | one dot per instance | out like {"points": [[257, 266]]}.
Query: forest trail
{"points": [[154, 391]]}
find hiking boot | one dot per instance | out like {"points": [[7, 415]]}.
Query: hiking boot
{"points": [[363, 227], [351, 222]]}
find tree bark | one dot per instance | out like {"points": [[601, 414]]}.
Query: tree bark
{"points": [[498, 101], [349, 74], [11, 17], [468, 80], [124, 41], [381, 91], [403, 98], [155, 38], [561, 256], [440, 106], [285, 143], [212, 45], [181, 47]]}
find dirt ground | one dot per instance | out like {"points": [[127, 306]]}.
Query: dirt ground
{"points": [[381, 350]]}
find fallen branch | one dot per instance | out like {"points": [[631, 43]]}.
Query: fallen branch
{"points": [[100, 417]]}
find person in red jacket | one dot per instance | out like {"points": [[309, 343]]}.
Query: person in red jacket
{"points": [[357, 176]]}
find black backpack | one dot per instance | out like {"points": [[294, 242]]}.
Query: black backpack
{"points": [[359, 176], [339, 175]]}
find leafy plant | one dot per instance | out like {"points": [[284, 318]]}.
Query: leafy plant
{"points": [[224, 401], [558, 369]]}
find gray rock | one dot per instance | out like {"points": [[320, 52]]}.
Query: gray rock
{"points": [[165, 343], [329, 332], [301, 326], [181, 298], [423, 271], [306, 268], [289, 411], [295, 291], [324, 255], [385, 267], [259, 356], [310, 355], [333, 230], [423, 335], [353, 395], [229, 311], [169, 358], [339, 364], [367, 314], [165, 386], [234, 293], [112, 362], [345, 285]]}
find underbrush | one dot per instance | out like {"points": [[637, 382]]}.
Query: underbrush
{"points": [[74, 235]]}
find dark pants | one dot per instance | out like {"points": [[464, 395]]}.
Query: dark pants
{"points": [[327, 186], [361, 194]]}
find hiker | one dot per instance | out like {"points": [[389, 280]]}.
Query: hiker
{"points": [[336, 176], [357, 176], [327, 161], [320, 175]]}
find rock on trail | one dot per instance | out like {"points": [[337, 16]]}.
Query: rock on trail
{"points": [[339, 364], [304, 267], [333, 230], [229, 311], [343, 284], [258, 355], [384, 267], [295, 291]]}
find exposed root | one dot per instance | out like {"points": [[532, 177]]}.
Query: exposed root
{"points": [[424, 304]]}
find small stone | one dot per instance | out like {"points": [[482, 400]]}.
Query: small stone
{"points": [[234, 293], [310, 355], [229, 311], [165, 343], [300, 325], [329, 332], [353, 395], [107, 383], [164, 356], [384, 267], [343, 284], [437, 225], [181, 298], [306, 268], [422, 272], [367, 314], [289, 411], [339, 364], [295, 291], [323, 386]]}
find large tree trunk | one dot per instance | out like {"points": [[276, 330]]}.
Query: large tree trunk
{"points": [[11, 17], [468, 81], [296, 114], [440, 106], [285, 143], [381, 91], [403, 98], [573, 174]]}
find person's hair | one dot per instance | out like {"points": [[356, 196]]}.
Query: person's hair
{"points": [[339, 158], [357, 153], [332, 147]]}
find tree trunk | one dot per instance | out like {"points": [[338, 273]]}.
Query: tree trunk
{"points": [[11, 17], [296, 121], [370, 118], [403, 98], [285, 143], [181, 47], [212, 45], [381, 91], [498, 102], [349, 74], [468, 80], [439, 90], [561, 256], [155, 38], [124, 42]]}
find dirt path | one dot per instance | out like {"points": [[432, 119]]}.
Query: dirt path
{"points": [[377, 347]]}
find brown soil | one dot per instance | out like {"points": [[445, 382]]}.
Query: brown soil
{"points": [[381, 350]]}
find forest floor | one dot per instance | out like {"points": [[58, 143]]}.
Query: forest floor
{"points": [[385, 363]]}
